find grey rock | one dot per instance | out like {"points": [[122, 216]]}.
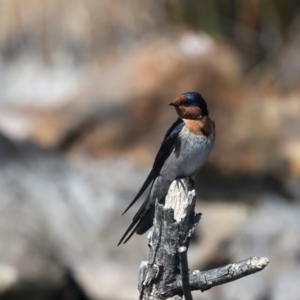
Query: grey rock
{"points": [[286, 285], [272, 230]]}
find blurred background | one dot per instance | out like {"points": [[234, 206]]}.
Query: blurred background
{"points": [[84, 88]]}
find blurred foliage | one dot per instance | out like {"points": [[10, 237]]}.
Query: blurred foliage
{"points": [[254, 26], [223, 17], [88, 28]]}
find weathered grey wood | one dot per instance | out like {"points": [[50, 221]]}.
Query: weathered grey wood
{"points": [[170, 231], [205, 280], [174, 222]]}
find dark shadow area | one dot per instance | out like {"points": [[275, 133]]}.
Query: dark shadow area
{"points": [[11, 151], [68, 289], [212, 184]]}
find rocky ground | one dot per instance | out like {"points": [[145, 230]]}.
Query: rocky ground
{"points": [[63, 216]]}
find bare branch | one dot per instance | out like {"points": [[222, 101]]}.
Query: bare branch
{"points": [[184, 272], [174, 223], [207, 279]]}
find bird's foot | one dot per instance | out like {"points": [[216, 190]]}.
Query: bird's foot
{"points": [[191, 182]]}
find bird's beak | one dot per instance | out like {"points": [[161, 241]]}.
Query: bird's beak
{"points": [[173, 104]]}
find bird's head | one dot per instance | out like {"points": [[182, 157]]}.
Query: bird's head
{"points": [[190, 105]]}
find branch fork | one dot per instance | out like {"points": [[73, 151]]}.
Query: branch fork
{"points": [[165, 275]]}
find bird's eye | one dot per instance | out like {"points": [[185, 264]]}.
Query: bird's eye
{"points": [[187, 102]]}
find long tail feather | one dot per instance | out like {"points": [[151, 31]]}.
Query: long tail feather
{"points": [[138, 220], [147, 221], [134, 222], [133, 231], [138, 196], [133, 201]]}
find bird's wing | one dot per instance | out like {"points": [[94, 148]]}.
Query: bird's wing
{"points": [[170, 142], [140, 222]]}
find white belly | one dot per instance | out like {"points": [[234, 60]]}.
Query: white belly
{"points": [[190, 157], [184, 162]]}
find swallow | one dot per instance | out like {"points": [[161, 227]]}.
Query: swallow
{"points": [[185, 148]]}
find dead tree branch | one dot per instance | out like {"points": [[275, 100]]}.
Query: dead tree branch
{"points": [[174, 223], [184, 273]]}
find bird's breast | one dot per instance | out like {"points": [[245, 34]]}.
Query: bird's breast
{"points": [[190, 154]]}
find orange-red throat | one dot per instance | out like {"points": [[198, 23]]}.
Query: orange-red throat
{"points": [[191, 106]]}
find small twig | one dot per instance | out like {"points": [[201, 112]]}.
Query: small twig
{"points": [[229, 273], [184, 271], [205, 280]]}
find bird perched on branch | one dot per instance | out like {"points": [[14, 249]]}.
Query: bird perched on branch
{"points": [[184, 150]]}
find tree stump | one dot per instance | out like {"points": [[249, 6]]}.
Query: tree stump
{"points": [[174, 222]]}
